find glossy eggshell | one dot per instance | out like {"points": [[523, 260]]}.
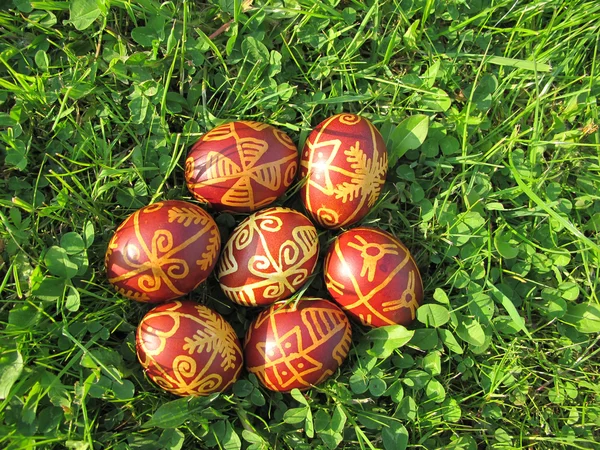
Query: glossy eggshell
{"points": [[162, 251], [297, 345], [343, 166], [241, 166], [268, 257], [373, 276], [188, 349]]}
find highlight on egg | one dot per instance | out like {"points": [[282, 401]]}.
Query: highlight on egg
{"points": [[373, 277], [268, 257], [241, 166], [188, 349], [343, 166], [297, 345], [162, 251]]}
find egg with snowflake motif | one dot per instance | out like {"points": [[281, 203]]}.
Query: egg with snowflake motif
{"points": [[343, 167], [162, 251], [188, 349], [268, 257], [241, 166], [373, 277], [297, 345]]}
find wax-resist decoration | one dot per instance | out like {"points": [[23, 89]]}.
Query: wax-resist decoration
{"points": [[343, 166], [268, 257], [241, 166], [297, 345], [162, 251], [188, 349], [373, 276]]}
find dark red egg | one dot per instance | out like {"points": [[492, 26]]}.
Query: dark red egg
{"points": [[188, 349], [373, 276], [241, 166], [297, 345], [268, 257], [162, 251], [343, 165]]}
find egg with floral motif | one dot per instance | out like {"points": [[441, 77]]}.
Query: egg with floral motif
{"points": [[297, 345], [162, 251], [373, 277], [241, 166], [188, 349], [343, 167]]}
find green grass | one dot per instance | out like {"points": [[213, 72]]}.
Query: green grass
{"points": [[490, 111]]}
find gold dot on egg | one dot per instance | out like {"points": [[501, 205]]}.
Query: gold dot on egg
{"points": [[284, 373], [300, 365], [150, 329], [288, 345]]}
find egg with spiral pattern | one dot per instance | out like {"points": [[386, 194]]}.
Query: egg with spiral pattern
{"points": [[162, 251], [241, 166], [343, 166], [268, 257], [373, 277], [297, 345], [188, 349]]}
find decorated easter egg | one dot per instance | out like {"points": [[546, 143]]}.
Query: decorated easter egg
{"points": [[297, 345], [241, 166], [188, 349], [343, 166], [373, 276], [162, 251], [268, 257]]}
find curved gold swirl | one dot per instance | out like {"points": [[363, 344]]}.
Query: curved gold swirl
{"points": [[153, 208], [327, 217], [349, 119]]}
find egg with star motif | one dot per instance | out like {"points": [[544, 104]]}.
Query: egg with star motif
{"points": [[268, 257], [373, 277], [241, 166], [188, 349], [297, 345], [162, 251], [343, 167]]}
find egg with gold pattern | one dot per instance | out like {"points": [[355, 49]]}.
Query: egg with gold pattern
{"points": [[162, 251], [373, 277], [188, 349], [241, 166], [297, 345], [268, 257], [343, 166]]}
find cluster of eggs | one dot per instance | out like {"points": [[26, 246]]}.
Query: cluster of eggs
{"points": [[165, 250]]}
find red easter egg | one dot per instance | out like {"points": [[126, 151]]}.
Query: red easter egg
{"points": [[268, 257], [241, 166], [297, 345], [188, 349], [344, 165], [162, 251], [373, 276]]}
